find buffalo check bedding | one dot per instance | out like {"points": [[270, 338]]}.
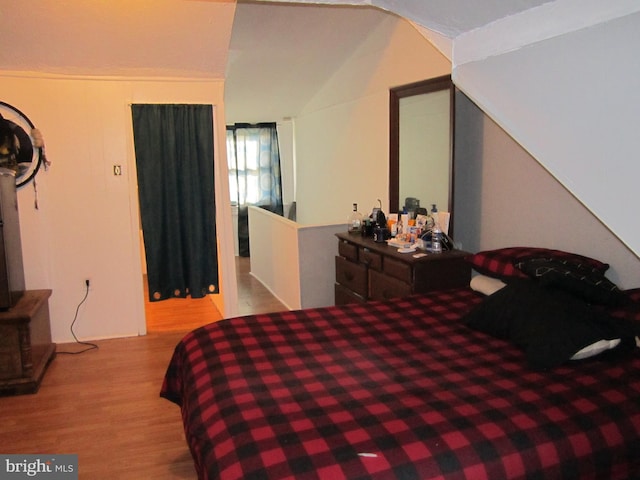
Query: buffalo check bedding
{"points": [[400, 389]]}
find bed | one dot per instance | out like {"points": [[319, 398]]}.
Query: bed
{"points": [[408, 389]]}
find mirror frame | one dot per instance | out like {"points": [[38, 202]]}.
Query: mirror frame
{"points": [[395, 94]]}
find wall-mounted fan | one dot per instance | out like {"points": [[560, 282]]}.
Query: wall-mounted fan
{"points": [[21, 145]]}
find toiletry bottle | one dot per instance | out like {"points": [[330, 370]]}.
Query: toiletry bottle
{"points": [[354, 222], [405, 221], [436, 238], [434, 215]]}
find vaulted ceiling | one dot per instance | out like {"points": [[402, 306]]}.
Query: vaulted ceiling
{"points": [[280, 54], [446, 17], [280, 51]]}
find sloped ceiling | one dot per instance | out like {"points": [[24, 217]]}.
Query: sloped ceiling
{"points": [[280, 55], [282, 51], [447, 17]]}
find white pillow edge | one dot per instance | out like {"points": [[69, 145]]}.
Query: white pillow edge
{"points": [[485, 284], [595, 349]]}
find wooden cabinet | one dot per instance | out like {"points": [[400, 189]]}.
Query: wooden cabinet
{"points": [[366, 270], [25, 343]]}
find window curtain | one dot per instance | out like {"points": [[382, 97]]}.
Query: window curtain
{"points": [[175, 164], [254, 173]]}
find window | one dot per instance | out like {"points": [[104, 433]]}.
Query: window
{"points": [[254, 173], [243, 151]]}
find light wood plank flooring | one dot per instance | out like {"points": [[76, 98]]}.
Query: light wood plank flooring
{"points": [[104, 404], [179, 314], [253, 297]]}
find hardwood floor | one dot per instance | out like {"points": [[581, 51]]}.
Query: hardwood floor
{"points": [[253, 297], [179, 314], [104, 404]]}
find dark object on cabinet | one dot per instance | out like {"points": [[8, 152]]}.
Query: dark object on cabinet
{"points": [[11, 270], [366, 270], [25, 343]]}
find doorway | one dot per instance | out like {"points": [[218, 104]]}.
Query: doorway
{"points": [[186, 314], [174, 158], [178, 314]]}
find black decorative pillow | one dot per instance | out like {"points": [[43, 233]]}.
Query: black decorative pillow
{"points": [[500, 263], [579, 279], [550, 326]]}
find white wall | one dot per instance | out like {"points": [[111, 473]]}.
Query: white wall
{"points": [[573, 102], [342, 136], [87, 223], [275, 259]]}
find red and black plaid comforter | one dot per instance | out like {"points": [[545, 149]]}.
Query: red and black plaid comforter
{"points": [[395, 390]]}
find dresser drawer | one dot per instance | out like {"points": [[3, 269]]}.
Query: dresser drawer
{"points": [[398, 269], [351, 275], [371, 259], [384, 287], [344, 295], [348, 250]]}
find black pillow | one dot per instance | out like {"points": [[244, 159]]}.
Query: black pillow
{"points": [[549, 325], [579, 279]]}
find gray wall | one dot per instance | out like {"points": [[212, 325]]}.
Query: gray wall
{"points": [[504, 197]]}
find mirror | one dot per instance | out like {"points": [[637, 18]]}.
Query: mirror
{"points": [[421, 145]]}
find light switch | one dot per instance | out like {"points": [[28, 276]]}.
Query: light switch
{"points": [[117, 169]]}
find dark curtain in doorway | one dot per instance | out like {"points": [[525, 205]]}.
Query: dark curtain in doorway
{"points": [[253, 157], [175, 164]]}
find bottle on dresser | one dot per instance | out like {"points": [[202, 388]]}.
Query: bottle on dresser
{"points": [[404, 218], [354, 222], [436, 232], [436, 238]]}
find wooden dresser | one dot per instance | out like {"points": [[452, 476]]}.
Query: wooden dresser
{"points": [[366, 270], [25, 343]]}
